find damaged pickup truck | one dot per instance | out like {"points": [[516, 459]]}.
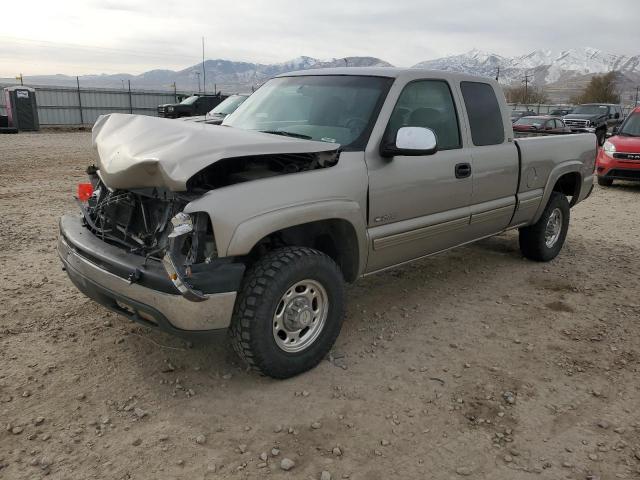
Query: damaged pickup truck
{"points": [[319, 178]]}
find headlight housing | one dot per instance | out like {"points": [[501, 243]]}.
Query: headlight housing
{"points": [[609, 149], [170, 109]]}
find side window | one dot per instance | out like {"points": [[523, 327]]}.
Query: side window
{"points": [[429, 104], [485, 118]]}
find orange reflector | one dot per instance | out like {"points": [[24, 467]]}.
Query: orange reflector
{"points": [[85, 190]]}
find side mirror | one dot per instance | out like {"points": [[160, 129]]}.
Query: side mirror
{"points": [[411, 141], [617, 115]]}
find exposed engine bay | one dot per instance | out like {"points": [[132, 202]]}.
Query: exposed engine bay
{"points": [[244, 169], [140, 220]]}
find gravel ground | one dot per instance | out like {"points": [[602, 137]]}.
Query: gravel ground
{"points": [[475, 363]]}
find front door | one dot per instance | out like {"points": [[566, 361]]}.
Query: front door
{"points": [[420, 204]]}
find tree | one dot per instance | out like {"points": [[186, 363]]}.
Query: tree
{"points": [[601, 89], [528, 95]]}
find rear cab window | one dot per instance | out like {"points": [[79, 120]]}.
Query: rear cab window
{"points": [[483, 110]]}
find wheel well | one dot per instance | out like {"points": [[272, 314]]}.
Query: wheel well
{"points": [[335, 237], [569, 185]]}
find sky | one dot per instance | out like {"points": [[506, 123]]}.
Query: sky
{"points": [[133, 36]]}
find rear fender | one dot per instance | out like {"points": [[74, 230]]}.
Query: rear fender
{"points": [[573, 166]]}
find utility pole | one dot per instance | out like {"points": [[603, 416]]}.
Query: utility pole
{"points": [[175, 93], [130, 99], [526, 88], [19, 77], [198, 75], [204, 72], [79, 100], [346, 62], [498, 74]]}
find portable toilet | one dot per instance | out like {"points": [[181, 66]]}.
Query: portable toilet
{"points": [[22, 108]]}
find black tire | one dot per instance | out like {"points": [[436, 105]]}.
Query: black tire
{"points": [[605, 182], [533, 239], [253, 328]]}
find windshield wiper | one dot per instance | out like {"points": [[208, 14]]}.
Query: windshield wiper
{"points": [[287, 134]]}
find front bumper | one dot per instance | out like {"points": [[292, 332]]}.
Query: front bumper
{"points": [[99, 270], [618, 169]]}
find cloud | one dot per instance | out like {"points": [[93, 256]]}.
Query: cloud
{"points": [[117, 35]]}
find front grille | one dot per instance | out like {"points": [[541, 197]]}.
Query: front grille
{"points": [[627, 156], [576, 123]]}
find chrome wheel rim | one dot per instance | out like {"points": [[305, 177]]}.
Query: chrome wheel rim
{"points": [[553, 229], [300, 316]]}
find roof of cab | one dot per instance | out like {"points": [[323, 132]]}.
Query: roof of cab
{"points": [[389, 72]]}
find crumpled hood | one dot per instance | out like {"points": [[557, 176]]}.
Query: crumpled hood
{"points": [[137, 151]]}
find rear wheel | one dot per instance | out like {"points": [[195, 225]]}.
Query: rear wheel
{"points": [[605, 182], [543, 240], [289, 311]]}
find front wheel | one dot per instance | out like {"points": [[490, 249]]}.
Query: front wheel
{"points": [[289, 311], [543, 240]]}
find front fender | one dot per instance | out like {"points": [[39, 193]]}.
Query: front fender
{"points": [[248, 233]]}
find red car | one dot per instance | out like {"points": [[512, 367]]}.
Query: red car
{"points": [[619, 157], [540, 124]]}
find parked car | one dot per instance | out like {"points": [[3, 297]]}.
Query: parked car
{"points": [[190, 106], [619, 158], [218, 114], [516, 114], [560, 112], [319, 178], [594, 118], [540, 124]]}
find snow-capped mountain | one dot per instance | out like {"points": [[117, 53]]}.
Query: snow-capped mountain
{"points": [[547, 66], [226, 75]]}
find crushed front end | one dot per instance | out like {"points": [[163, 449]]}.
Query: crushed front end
{"points": [[136, 252]]}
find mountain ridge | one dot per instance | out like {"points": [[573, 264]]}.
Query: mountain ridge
{"points": [[562, 73]]}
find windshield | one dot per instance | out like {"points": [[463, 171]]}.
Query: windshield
{"points": [[591, 110], [530, 121], [189, 100], [228, 105], [631, 126], [328, 108]]}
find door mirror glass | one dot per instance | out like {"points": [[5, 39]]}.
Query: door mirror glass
{"points": [[411, 141], [415, 138]]}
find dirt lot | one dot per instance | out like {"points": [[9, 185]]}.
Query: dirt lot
{"points": [[475, 363]]}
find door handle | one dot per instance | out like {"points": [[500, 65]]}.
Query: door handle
{"points": [[463, 170]]}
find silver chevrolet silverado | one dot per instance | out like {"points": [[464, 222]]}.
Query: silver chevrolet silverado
{"points": [[319, 178]]}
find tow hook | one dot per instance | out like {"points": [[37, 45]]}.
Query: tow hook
{"points": [[181, 284]]}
